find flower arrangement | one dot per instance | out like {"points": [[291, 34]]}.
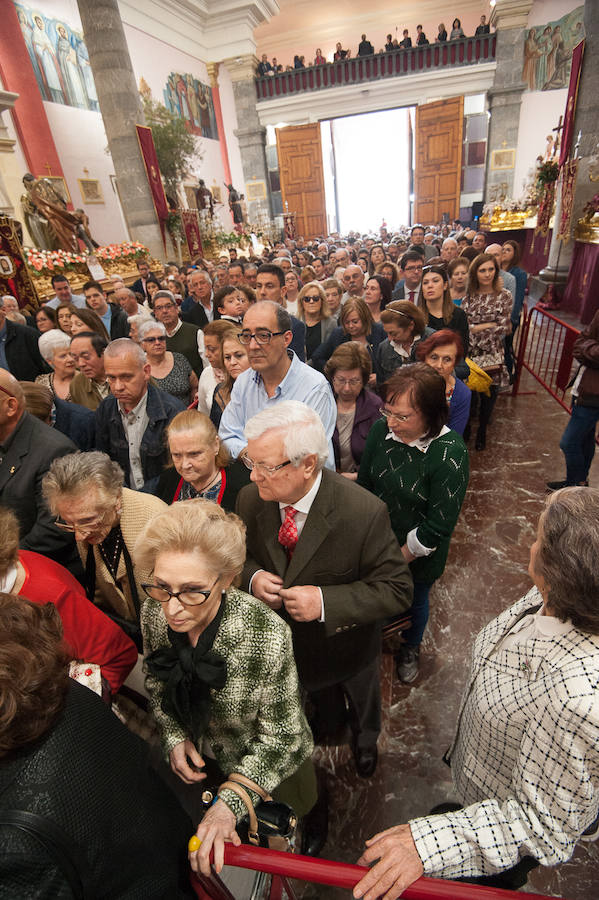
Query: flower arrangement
{"points": [[125, 251], [52, 261], [547, 173]]}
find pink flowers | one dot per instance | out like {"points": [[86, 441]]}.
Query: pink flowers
{"points": [[47, 261]]}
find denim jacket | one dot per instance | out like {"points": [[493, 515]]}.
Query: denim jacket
{"points": [[111, 437]]}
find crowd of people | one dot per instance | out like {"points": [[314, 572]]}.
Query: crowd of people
{"points": [[228, 480], [366, 48]]}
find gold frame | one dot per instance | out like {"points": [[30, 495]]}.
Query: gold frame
{"points": [[255, 190], [497, 163], [82, 188]]}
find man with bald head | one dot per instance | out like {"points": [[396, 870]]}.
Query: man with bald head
{"points": [[353, 282], [130, 424], [127, 300], [27, 449]]}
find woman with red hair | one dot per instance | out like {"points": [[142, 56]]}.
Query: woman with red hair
{"points": [[442, 350]]}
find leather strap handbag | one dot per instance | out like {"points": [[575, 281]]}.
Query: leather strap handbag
{"points": [[268, 824]]}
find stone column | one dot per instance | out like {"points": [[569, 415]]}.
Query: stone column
{"points": [[121, 110], [510, 18], [250, 133], [586, 121]]}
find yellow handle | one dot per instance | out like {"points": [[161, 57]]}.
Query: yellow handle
{"points": [[194, 843]]}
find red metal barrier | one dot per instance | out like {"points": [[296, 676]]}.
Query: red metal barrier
{"points": [[543, 347], [345, 875]]}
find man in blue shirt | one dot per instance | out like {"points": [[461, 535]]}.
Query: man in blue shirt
{"points": [[275, 374], [64, 294], [113, 317]]}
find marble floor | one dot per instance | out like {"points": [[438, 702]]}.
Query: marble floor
{"points": [[487, 571]]}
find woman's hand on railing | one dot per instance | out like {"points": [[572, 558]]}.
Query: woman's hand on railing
{"points": [[217, 826], [398, 866]]}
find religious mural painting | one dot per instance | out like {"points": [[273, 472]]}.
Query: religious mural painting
{"points": [[59, 58], [191, 100], [548, 52]]}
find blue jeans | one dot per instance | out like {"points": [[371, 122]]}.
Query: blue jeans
{"points": [[419, 613], [578, 443]]}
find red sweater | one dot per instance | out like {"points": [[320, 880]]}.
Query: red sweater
{"points": [[90, 635]]}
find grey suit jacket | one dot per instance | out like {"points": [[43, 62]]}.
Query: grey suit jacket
{"points": [[346, 548]]}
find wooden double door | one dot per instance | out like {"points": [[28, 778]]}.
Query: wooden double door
{"points": [[302, 179]]}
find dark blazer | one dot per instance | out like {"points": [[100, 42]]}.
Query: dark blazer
{"points": [[340, 336], [119, 326], [298, 341], [185, 341], [195, 314], [367, 413], [138, 286], [22, 352], [76, 422], [365, 48], [236, 476], [26, 457], [347, 549], [111, 438], [87, 773]]}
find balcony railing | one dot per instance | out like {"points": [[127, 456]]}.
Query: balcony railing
{"points": [[450, 54]]}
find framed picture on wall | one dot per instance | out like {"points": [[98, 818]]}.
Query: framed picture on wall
{"points": [[91, 192], [217, 195], [503, 159], [255, 190], [190, 196], [59, 185]]}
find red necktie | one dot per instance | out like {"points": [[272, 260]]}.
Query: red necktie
{"points": [[411, 295], [288, 536]]}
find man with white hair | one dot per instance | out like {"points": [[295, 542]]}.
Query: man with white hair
{"points": [[19, 351], [449, 250], [11, 305], [275, 374], [353, 282], [198, 307], [130, 424], [320, 551], [127, 300]]}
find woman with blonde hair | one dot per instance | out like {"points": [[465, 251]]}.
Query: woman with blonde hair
{"points": [[200, 463], [313, 309], [220, 671], [213, 373]]}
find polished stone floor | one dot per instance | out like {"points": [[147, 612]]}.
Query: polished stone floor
{"points": [[487, 571]]}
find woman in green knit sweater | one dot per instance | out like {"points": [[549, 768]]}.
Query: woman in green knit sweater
{"points": [[419, 468]]}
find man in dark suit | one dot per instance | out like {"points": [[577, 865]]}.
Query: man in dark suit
{"points": [[181, 337], [200, 310], [408, 286], [141, 285], [365, 48], [27, 448], [19, 351], [322, 553]]}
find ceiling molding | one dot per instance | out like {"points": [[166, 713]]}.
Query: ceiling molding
{"points": [[371, 96]]}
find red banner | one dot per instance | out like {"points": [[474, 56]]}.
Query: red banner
{"points": [[568, 184], [148, 154], [14, 275], [191, 229], [568, 131]]}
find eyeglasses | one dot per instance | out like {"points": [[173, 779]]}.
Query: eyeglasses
{"points": [[163, 307], [83, 527], [415, 268], [312, 299], [388, 414], [154, 340], [262, 467], [347, 382], [191, 596], [261, 336]]}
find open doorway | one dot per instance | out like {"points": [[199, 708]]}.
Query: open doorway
{"points": [[368, 170]]}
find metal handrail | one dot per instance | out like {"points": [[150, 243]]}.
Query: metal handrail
{"points": [[393, 63], [544, 348], [346, 875]]}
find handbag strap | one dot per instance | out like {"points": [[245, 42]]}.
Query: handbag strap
{"points": [[247, 800], [59, 846], [248, 783]]}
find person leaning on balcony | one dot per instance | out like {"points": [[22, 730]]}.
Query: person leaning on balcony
{"points": [[457, 32], [406, 43], [340, 53], [442, 35], [525, 756]]}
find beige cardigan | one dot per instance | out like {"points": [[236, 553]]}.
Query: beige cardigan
{"points": [[138, 509]]}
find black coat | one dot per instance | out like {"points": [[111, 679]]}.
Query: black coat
{"points": [[22, 352], [195, 315], [119, 326], [76, 422], [92, 777], [31, 449]]}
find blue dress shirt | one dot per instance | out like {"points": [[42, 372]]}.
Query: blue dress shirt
{"points": [[249, 397]]}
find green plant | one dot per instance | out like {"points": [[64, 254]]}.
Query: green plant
{"points": [[176, 149], [547, 173]]}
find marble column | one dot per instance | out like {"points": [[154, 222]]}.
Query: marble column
{"points": [[121, 110], [510, 18], [250, 133], [586, 122]]}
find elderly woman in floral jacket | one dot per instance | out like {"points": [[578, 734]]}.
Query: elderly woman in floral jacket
{"points": [[219, 666]]}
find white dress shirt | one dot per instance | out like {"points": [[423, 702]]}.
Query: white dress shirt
{"points": [[135, 423]]}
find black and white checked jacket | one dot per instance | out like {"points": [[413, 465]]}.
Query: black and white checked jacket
{"points": [[525, 756]]}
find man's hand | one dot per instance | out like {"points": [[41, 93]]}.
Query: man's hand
{"points": [[180, 766], [398, 867], [266, 586], [303, 603], [407, 554], [217, 826]]}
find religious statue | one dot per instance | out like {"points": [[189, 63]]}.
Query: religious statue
{"points": [[50, 224], [204, 198], [235, 205]]}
